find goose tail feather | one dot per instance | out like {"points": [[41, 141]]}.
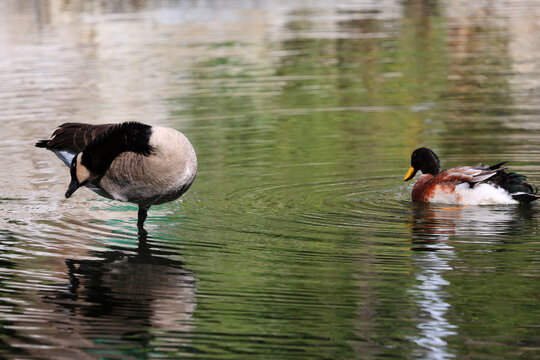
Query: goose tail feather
{"points": [[42, 144]]}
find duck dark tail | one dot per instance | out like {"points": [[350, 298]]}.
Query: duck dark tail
{"points": [[525, 198], [517, 187]]}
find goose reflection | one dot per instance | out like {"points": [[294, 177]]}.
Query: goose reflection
{"points": [[137, 299], [433, 228]]}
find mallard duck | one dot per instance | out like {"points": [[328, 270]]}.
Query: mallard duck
{"points": [[466, 185], [130, 161]]}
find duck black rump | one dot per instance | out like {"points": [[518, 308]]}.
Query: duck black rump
{"points": [[516, 185]]}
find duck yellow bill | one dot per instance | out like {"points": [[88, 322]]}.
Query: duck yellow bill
{"points": [[410, 174]]}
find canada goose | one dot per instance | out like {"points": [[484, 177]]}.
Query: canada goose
{"points": [[130, 161]]}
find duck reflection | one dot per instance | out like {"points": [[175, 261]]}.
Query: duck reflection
{"points": [[433, 227], [433, 222], [136, 299]]}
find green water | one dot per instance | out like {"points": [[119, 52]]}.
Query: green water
{"points": [[298, 238]]}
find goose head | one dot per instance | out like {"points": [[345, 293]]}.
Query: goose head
{"points": [[80, 175]]}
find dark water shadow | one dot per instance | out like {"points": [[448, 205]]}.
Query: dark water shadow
{"points": [[121, 301], [8, 326]]}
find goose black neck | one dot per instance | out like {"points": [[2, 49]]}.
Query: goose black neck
{"points": [[128, 136]]}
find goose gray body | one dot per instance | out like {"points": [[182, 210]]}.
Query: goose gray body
{"points": [[156, 179], [129, 162]]}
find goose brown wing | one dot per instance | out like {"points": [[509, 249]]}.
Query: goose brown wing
{"points": [[73, 136]]}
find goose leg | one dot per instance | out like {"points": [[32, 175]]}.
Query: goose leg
{"points": [[143, 213]]}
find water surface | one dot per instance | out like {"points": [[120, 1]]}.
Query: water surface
{"points": [[298, 238]]}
